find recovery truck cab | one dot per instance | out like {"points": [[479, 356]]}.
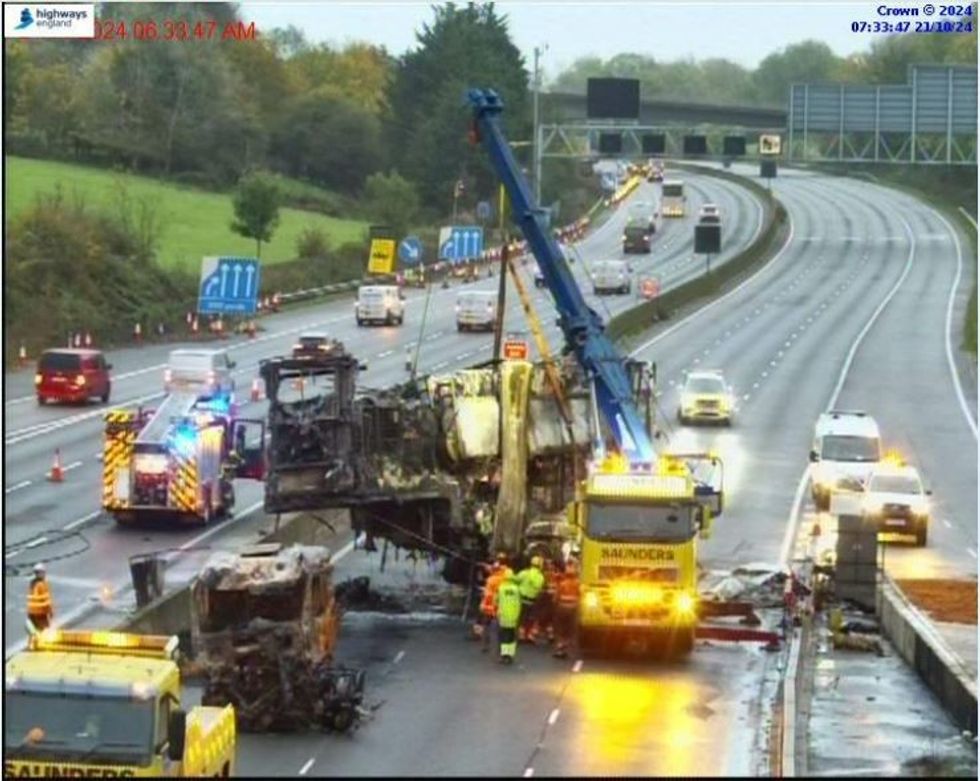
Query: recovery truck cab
{"points": [[673, 202], [179, 460], [107, 704], [639, 532]]}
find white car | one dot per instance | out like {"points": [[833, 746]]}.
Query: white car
{"points": [[476, 310], [897, 500], [846, 448], [709, 214], [611, 277], [706, 396]]}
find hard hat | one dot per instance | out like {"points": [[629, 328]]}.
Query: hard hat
{"points": [[536, 561], [501, 558], [39, 568]]}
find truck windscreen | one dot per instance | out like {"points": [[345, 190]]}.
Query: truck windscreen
{"points": [[673, 190], [87, 729], [639, 522]]}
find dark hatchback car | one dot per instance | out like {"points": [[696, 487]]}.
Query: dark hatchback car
{"points": [[72, 376], [311, 345]]}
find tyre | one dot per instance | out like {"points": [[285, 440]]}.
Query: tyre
{"points": [[595, 291], [459, 327], [682, 642], [680, 418], [401, 318], [921, 534], [359, 322], [104, 398], [41, 401]]}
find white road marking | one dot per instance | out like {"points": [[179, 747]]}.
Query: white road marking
{"points": [[553, 717], [71, 466], [971, 552], [36, 541], [80, 521], [529, 772], [21, 484], [306, 768], [398, 657], [385, 354], [948, 524], [577, 667]]}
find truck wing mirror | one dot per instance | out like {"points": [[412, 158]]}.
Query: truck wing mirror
{"points": [[176, 732], [814, 456]]}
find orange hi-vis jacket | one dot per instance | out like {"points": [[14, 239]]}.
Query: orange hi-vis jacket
{"points": [[39, 599], [568, 589], [488, 605]]}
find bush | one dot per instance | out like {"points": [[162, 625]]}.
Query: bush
{"points": [[312, 243]]}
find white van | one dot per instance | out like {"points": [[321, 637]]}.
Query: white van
{"points": [[476, 310], [611, 276], [379, 304], [846, 449], [207, 372]]}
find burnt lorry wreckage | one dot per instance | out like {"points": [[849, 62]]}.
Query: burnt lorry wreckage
{"points": [[264, 624], [455, 464]]}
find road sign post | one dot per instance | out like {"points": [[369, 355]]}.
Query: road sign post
{"points": [[229, 285]]}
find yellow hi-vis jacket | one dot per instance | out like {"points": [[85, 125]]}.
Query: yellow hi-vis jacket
{"points": [[39, 599]]}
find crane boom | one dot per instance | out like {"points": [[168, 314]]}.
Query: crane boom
{"points": [[583, 328]]}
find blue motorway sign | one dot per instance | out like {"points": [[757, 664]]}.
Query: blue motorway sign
{"points": [[458, 242], [228, 286], [410, 250], [484, 211]]}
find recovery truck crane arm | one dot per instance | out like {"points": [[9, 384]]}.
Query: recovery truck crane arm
{"points": [[583, 328]]}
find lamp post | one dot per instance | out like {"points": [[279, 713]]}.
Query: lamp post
{"points": [[538, 51]]}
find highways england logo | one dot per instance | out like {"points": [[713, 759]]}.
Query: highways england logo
{"points": [[64, 20]]}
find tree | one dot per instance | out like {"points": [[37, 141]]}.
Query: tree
{"points": [[464, 46], [256, 203], [328, 140], [808, 61], [391, 200]]}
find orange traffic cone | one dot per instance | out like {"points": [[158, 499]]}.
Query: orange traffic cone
{"points": [[138, 332], [78, 340], [194, 325], [22, 355], [57, 474], [256, 390]]}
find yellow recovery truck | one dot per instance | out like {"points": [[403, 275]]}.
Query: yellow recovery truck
{"points": [[93, 704]]}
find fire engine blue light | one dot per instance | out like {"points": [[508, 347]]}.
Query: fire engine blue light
{"points": [[184, 440]]}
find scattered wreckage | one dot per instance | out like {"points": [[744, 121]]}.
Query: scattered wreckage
{"points": [[264, 624]]}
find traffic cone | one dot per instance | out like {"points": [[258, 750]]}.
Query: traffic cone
{"points": [[194, 325], [189, 318], [22, 355], [78, 340], [256, 390], [57, 474], [251, 329], [88, 339], [138, 332]]}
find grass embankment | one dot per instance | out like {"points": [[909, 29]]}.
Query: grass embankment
{"points": [[193, 223], [948, 188]]}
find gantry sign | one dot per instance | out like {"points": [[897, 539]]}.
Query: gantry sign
{"points": [[930, 120]]}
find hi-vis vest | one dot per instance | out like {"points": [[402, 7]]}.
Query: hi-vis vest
{"points": [[39, 599]]}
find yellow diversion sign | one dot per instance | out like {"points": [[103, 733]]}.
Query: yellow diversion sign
{"points": [[381, 257]]}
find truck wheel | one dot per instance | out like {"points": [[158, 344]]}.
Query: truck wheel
{"points": [[921, 534], [683, 641], [41, 401], [359, 322], [680, 418]]}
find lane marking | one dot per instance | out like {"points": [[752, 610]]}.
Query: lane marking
{"points": [[577, 667], [529, 772], [21, 484], [386, 353], [949, 321], [306, 768], [948, 524], [80, 521], [971, 552], [794, 518], [71, 466], [398, 657], [769, 264], [553, 717]]}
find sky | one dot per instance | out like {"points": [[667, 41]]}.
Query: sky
{"points": [[744, 32]]}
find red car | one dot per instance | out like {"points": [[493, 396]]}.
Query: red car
{"points": [[72, 375]]}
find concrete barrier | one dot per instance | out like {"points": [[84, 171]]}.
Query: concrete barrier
{"points": [[924, 650]]}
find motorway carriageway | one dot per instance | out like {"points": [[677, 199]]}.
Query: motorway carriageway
{"points": [[852, 311], [43, 520]]}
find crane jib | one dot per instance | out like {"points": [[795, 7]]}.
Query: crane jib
{"points": [[583, 329]]}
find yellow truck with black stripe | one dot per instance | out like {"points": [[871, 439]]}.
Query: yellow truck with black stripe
{"points": [[179, 460], [93, 704], [638, 536]]}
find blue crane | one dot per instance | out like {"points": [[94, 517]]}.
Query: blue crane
{"points": [[583, 328]]}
